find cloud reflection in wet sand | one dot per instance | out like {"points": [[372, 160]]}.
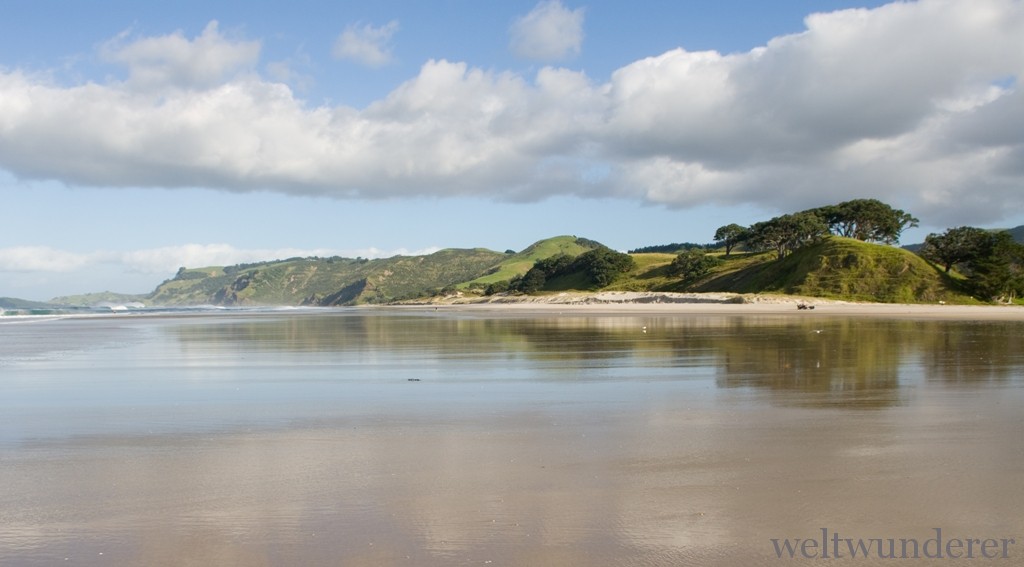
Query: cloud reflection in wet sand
{"points": [[607, 447]]}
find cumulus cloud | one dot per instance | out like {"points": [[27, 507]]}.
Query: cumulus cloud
{"points": [[167, 259], [174, 60], [917, 103], [550, 32], [366, 44], [40, 259], [293, 71]]}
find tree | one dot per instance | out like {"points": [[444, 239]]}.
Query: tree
{"points": [[869, 220], [730, 235], [692, 265], [955, 246], [992, 261], [603, 264], [997, 272], [788, 232], [533, 281]]}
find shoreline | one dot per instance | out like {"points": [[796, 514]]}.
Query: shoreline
{"points": [[652, 303], [621, 303]]}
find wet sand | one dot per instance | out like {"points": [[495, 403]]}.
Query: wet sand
{"points": [[674, 484], [269, 440]]}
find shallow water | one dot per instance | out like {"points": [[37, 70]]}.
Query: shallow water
{"points": [[360, 437]]}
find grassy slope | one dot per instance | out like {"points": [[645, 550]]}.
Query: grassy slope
{"points": [[406, 277], [649, 274], [518, 264], [840, 268], [835, 267], [311, 280]]}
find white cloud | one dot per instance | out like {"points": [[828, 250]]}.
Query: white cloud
{"points": [[550, 32], [366, 44], [40, 259], [916, 103], [294, 70], [176, 61]]}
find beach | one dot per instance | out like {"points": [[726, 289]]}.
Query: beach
{"points": [[624, 302], [524, 434]]}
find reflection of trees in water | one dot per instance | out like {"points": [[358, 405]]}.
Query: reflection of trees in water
{"points": [[841, 362], [542, 338], [973, 352], [815, 361]]}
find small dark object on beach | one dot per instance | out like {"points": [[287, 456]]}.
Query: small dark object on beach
{"points": [[414, 379], [804, 306]]}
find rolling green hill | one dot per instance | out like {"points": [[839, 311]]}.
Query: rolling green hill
{"points": [[520, 263], [834, 267], [325, 281], [839, 268], [347, 281]]}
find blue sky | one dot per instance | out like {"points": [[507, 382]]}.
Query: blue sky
{"points": [[139, 137]]}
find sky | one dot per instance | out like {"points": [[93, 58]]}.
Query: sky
{"points": [[139, 137]]}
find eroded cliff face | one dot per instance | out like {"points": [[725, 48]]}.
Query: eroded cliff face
{"points": [[348, 295]]}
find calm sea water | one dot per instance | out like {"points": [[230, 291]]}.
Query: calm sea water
{"points": [[363, 437]]}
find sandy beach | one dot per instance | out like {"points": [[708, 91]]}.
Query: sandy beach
{"points": [[627, 302], [606, 429]]}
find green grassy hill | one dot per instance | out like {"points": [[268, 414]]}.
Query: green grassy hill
{"points": [[834, 267], [347, 281], [325, 281], [839, 268], [518, 264]]}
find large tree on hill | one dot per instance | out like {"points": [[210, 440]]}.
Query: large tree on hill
{"points": [[955, 246], [992, 261], [787, 232], [869, 220], [997, 273], [601, 266], [729, 236]]}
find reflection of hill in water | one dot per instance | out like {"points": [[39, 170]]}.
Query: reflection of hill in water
{"points": [[813, 362], [833, 362]]}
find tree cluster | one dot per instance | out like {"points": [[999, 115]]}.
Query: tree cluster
{"points": [[673, 248], [992, 261], [869, 220], [786, 233], [692, 265], [601, 266]]}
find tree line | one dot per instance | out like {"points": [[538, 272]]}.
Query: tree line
{"points": [[869, 220], [991, 261]]}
